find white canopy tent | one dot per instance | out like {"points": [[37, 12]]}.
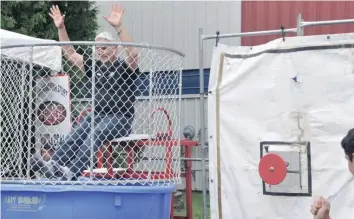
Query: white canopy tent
{"points": [[48, 56]]}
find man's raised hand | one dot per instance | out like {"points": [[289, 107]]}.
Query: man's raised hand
{"points": [[57, 17], [115, 18]]}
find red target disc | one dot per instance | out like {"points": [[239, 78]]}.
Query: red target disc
{"points": [[272, 169]]}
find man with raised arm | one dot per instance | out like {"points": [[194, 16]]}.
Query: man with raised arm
{"points": [[113, 100], [321, 207]]}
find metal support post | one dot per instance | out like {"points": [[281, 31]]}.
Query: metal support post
{"points": [[202, 125], [299, 27]]}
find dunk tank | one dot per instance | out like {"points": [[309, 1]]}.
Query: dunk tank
{"points": [[45, 96], [277, 114]]}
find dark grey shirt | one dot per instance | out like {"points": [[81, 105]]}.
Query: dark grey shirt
{"points": [[115, 87]]}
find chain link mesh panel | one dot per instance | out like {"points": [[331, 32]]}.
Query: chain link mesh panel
{"points": [[110, 115]]}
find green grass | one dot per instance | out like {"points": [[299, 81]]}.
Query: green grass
{"points": [[197, 206]]}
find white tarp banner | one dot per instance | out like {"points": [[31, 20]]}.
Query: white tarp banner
{"points": [[53, 112], [48, 56], [254, 96]]}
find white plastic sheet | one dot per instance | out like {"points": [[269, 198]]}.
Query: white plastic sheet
{"points": [[48, 56], [257, 98]]}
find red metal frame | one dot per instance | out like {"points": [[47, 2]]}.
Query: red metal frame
{"points": [[169, 133], [188, 175], [161, 139]]}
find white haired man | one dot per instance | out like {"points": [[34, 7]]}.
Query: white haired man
{"points": [[113, 102]]}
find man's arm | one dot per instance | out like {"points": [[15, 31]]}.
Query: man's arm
{"points": [[69, 51], [131, 52], [115, 19]]}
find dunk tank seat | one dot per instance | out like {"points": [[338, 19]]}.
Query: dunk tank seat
{"points": [[133, 144]]}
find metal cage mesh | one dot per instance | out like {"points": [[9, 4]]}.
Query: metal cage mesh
{"points": [[90, 113]]}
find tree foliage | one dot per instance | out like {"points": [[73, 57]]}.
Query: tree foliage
{"points": [[32, 18]]}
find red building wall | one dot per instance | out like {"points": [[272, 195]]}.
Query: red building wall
{"points": [[270, 15]]}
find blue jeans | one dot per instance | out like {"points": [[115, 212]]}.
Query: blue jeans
{"points": [[75, 151]]}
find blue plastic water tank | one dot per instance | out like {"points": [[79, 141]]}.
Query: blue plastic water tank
{"points": [[20, 201]]}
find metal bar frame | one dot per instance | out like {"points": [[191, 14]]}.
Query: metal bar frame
{"points": [[88, 43], [93, 91], [30, 113], [299, 30]]}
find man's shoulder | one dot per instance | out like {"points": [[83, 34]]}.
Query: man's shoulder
{"points": [[123, 67], [119, 65]]}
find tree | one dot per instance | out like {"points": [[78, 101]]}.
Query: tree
{"points": [[32, 18]]}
